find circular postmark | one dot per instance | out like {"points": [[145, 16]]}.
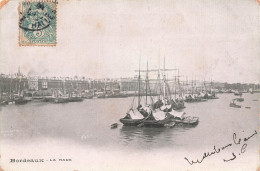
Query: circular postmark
{"points": [[36, 16]]}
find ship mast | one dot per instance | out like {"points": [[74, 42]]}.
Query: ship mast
{"points": [[192, 86], [146, 85], [139, 87], [164, 84]]}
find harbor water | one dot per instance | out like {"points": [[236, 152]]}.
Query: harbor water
{"points": [[81, 131]]}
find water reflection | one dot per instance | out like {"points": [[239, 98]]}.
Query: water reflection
{"points": [[147, 136]]}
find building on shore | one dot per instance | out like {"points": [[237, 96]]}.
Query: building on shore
{"points": [[15, 83]]}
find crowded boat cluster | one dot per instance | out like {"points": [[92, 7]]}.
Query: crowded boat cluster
{"points": [[164, 110]]}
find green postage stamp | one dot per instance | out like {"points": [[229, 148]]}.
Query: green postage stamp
{"points": [[37, 23]]}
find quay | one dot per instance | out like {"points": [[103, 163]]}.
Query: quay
{"points": [[76, 88]]}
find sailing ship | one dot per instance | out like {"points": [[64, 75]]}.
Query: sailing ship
{"points": [[136, 116], [20, 99], [158, 115], [166, 110], [162, 109]]}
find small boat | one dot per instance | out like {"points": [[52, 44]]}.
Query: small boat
{"points": [[180, 118], [132, 118], [233, 104], [101, 96], [240, 99], [75, 96], [88, 97], [190, 120], [114, 125], [3, 103], [75, 99], [20, 100], [48, 99], [170, 125], [27, 96], [212, 97], [37, 98], [237, 93], [248, 107], [61, 100]]}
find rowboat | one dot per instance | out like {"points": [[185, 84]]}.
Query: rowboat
{"points": [[132, 118], [233, 104], [114, 125]]}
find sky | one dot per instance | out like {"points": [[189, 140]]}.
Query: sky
{"points": [[213, 40]]}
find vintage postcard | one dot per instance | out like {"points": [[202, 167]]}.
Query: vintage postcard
{"points": [[133, 85]]}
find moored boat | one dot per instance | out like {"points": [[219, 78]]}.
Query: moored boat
{"points": [[180, 118], [132, 118], [237, 93], [61, 100], [75, 99], [240, 99], [157, 118], [48, 99], [114, 125], [20, 100], [3, 103], [233, 104]]}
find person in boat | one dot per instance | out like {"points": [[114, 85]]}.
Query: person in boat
{"points": [[157, 104], [181, 100], [142, 111], [128, 116], [173, 104], [189, 97]]}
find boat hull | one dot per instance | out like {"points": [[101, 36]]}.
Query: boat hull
{"points": [[195, 100], [20, 102], [234, 105], [240, 99], [189, 120], [157, 123], [75, 99], [131, 122], [61, 100]]}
